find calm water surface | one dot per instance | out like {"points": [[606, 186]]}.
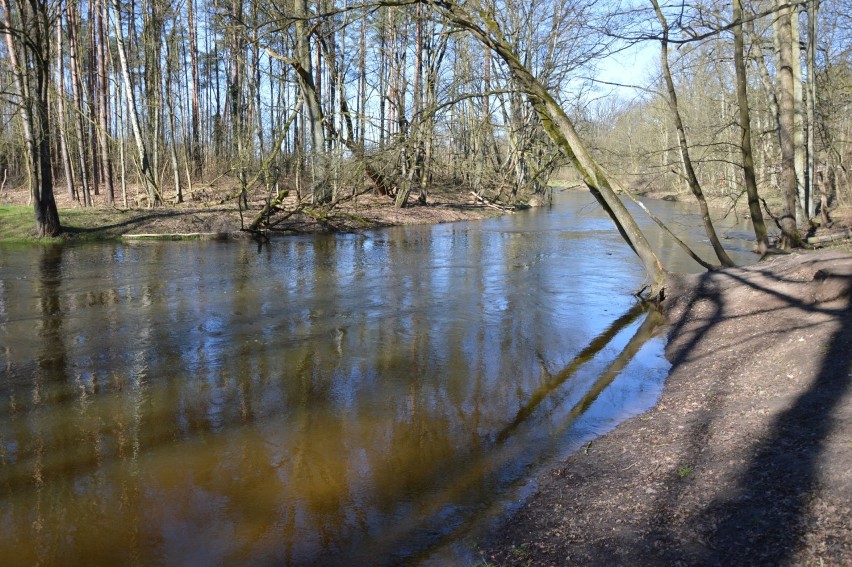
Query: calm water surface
{"points": [[341, 399]]}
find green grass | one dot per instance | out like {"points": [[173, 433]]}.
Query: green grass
{"points": [[17, 224]]}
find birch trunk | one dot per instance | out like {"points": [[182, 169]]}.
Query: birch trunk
{"points": [[151, 189]]}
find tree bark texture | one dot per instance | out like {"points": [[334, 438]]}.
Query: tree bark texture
{"points": [[749, 175]]}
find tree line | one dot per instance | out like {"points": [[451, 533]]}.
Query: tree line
{"points": [[140, 100], [158, 95], [765, 107]]}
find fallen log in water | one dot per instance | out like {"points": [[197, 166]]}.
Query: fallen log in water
{"points": [[187, 236]]}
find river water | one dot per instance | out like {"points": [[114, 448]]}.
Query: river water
{"points": [[348, 399]]}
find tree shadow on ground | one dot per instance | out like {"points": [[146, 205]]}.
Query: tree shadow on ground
{"points": [[130, 222], [764, 517]]}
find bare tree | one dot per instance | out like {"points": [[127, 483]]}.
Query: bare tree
{"points": [[483, 26], [28, 43], [144, 163], [691, 178], [745, 132]]}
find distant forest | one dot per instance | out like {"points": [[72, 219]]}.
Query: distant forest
{"points": [[141, 101]]}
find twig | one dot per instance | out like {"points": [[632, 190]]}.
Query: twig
{"points": [[677, 240], [487, 203], [775, 219]]}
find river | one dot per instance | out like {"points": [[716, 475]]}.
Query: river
{"points": [[327, 399]]}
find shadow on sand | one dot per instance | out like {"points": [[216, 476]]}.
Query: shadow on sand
{"points": [[763, 518]]}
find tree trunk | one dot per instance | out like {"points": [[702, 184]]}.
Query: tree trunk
{"points": [[31, 73], [77, 98], [786, 118], [416, 128], [168, 96], [103, 105], [151, 189], [813, 8], [745, 133], [61, 120], [691, 178], [195, 143], [319, 191], [798, 121]]}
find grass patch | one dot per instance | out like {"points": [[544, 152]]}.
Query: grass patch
{"points": [[16, 223], [685, 471]]}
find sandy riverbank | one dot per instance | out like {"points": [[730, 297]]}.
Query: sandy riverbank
{"points": [[215, 211], [747, 457]]}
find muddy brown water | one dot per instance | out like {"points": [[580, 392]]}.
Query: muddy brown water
{"points": [[349, 399]]}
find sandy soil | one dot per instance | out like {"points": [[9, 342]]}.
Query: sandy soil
{"points": [[747, 457]]}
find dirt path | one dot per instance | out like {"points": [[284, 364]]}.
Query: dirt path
{"points": [[747, 458]]}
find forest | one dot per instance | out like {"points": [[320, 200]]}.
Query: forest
{"points": [[403, 395], [145, 103]]}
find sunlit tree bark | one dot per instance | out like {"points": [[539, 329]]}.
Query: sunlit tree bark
{"points": [[745, 132], [561, 130], [28, 45], [786, 119], [691, 178]]}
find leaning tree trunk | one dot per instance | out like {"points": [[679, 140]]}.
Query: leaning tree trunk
{"points": [[691, 178], [745, 133], [561, 131]]}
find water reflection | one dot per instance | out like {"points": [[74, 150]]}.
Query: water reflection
{"points": [[355, 397]]}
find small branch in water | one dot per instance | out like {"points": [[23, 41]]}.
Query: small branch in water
{"points": [[681, 243], [487, 203]]}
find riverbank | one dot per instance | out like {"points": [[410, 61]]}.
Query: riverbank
{"points": [[213, 213], [747, 457]]}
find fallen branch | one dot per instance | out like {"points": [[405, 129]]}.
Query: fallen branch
{"points": [[668, 231], [487, 203], [182, 236], [843, 235]]}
